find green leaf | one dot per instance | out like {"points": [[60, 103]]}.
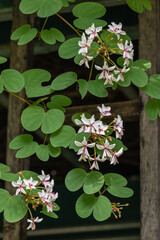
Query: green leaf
{"points": [[137, 5], [93, 182], [61, 100], [33, 82], [32, 118], [24, 34], [28, 150], [143, 64], [119, 191], [4, 197], [28, 174], [118, 143], [48, 37], [83, 87], [49, 214], [86, 22], [153, 109], [15, 209], [97, 88], [64, 80], [42, 152], [89, 9], [138, 77], [12, 80], [153, 87], [54, 152], [65, 3], [75, 179], [1, 85], [45, 8], [69, 48], [85, 204], [112, 179], [4, 168], [52, 121], [102, 209], [63, 137], [9, 177], [3, 60]]}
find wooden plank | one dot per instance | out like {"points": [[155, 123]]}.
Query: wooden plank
{"points": [[149, 39], [128, 110]]}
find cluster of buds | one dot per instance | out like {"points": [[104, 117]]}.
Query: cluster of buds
{"points": [[116, 209], [99, 138], [44, 195], [110, 71]]}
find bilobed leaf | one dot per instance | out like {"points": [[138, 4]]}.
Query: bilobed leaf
{"points": [[83, 87], [69, 48], [45, 8], [58, 35], [33, 82], [4, 197], [28, 36], [147, 4], [19, 32], [85, 204], [4, 168], [114, 179], [15, 209], [119, 191], [97, 88], [53, 120], [152, 109], [93, 182], [32, 118], [42, 152], [102, 208], [48, 37], [3, 60], [63, 137], [28, 150], [138, 77], [64, 80], [53, 151], [135, 5], [12, 80], [75, 179], [153, 87]]}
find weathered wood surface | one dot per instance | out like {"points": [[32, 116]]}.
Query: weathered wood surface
{"points": [[19, 60], [128, 110], [149, 40]]}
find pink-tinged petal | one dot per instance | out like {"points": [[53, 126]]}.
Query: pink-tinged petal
{"points": [[78, 144], [90, 145]]}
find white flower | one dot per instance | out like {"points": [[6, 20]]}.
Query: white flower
{"points": [[109, 79], [118, 127], [100, 128], [43, 196], [116, 29], [113, 158], [52, 196], [127, 51], [20, 186], [105, 147], [30, 184], [44, 178], [95, 161], [84, 146], [119, 72], [93, 31], [89, 124], [105, 70], [49, 185], [78, 122], [50, 207], [85, 60], [83, 157], [32, 221], [84, 44], [105, 111]]}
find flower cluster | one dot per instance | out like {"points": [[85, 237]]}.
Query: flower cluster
{"points": [[44, 195], [110, 72], [99, 140]]}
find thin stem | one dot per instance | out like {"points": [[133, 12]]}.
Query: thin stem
{"points": [[30, 213], [44, 24], [68, 24], [90, 75], [18, 97], [45, 139]]}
